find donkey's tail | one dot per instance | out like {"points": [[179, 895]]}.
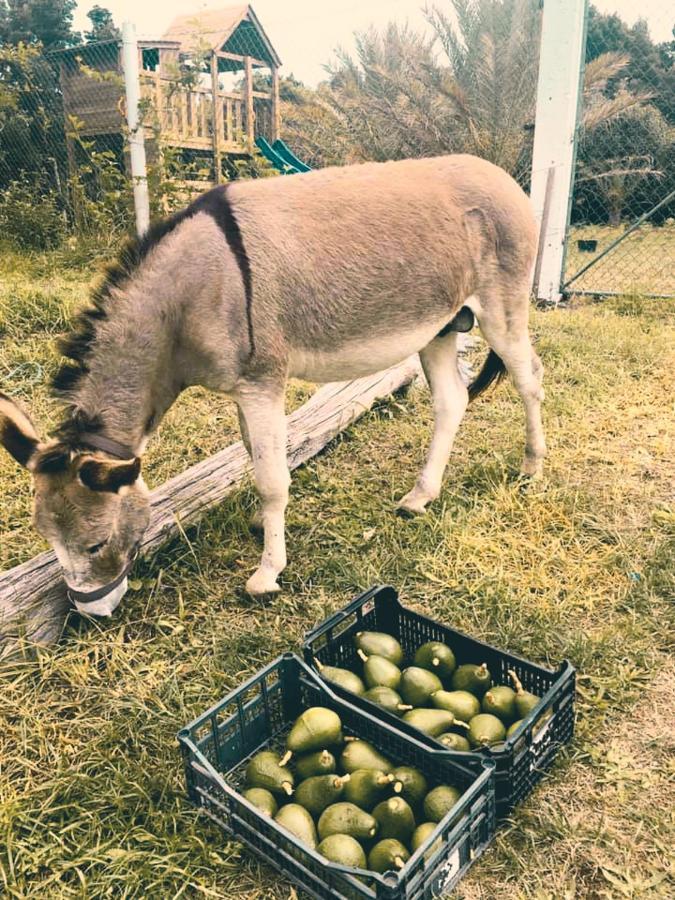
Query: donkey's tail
{"points": [[492, 373]]}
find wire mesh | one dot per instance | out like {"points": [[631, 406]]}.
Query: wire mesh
{"points": [[64, 156], [622, 234]]}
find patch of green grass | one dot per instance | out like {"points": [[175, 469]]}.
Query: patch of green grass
{"points": [[579, 566]]}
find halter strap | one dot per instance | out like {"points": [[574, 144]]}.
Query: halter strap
{"points": [[99, 593], [106, 445]]}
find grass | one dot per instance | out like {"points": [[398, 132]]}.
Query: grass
{"points": [[643, 263], [91, 790]]}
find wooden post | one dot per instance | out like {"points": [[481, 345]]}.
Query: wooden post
{"points": [[276, 106], [250, 114], [217, 121]]}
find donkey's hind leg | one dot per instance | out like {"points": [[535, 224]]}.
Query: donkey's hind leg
{"points": [[450, 398], [502, 315]]}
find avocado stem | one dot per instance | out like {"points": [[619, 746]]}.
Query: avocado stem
{"points": [[385, 779], [361, 655], [343, 779], [318, 664], [483, 669], [288, 787], [372, 831], [459, 724], [350, 737], [517, 683], [284, 759], [398, 787], [435, 661], [404, 706], [398, 862]]}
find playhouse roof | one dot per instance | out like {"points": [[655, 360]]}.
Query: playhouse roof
{"points": [[235, 29]]}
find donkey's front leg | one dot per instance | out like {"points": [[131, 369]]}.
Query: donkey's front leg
{"points": [[263, 411]]}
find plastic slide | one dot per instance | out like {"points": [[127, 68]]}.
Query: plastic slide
{"points": [[281, 157]]}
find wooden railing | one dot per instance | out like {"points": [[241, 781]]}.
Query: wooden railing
{"points": [[189, 117]]}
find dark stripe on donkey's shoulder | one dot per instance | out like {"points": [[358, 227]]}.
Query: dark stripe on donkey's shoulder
{"points": [[78, 344], [217, 204]]}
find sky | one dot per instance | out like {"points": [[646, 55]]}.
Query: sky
{"points": [[306, 32]]}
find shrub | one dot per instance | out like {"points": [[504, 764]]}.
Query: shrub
{"points": [[30, 217]]}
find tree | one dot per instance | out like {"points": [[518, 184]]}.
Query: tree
{"points": [[48, 22], [102, 26]]}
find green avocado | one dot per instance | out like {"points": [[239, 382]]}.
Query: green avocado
{"points": [[343, 849], [421, 833], [395, 818], [461, 704], [486, 730], [436, 657], [347, 818], [362, 755], [297, 820], [454, 741], [387, 856], [511, 730], [265, 771], [413, 784], [500, 701], [525, 701], [319, 791], [431, 721], [377, 643], [469, 677], [350, 681], [388, 699], [321, 762], [366, 787], [263, 799], [439, 801], [313, 730], [380, 672], [417, 685]]}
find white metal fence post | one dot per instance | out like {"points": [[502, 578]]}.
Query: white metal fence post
{"points": [[561, 65], [136, 133]]}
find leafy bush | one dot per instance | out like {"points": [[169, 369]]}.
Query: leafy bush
{"points": [[30, 217]]}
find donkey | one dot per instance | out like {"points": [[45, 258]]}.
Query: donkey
{"points": [[324, 276]]}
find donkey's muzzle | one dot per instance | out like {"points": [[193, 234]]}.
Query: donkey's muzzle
{"points": [[104, 600]]}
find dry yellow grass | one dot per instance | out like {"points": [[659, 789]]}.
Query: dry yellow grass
{"points": [[91, 789]]}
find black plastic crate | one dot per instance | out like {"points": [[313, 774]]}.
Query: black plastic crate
{"points": [[217, 746], [522, 759]]}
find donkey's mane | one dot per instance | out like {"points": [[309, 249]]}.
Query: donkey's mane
{"points": [[78, 345]]}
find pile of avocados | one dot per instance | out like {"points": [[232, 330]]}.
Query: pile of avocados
{"points": [[339, 795], [458, 705]]}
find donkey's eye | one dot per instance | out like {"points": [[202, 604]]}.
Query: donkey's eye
{"points": [[96, 548]]}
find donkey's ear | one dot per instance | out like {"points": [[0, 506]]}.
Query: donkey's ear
{"points": [[105, 475], [17, 434]]}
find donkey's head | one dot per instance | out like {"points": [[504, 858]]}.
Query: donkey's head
{"points": [[91, 509]]}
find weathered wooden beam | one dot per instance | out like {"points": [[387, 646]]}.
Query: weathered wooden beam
{"points": [[223, 54], [32, 596], [276, 106], [217, 122], [250, 113]]}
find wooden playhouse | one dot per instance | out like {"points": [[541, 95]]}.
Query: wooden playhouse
{"points": [[200, 82]]}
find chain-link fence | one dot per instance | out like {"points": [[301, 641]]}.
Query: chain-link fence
{"points": [[62, 143], [65, 162], [622, 233]]}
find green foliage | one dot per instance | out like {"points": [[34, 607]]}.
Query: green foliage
{"points": [[31, 218], [102, 26], [45, 22]]}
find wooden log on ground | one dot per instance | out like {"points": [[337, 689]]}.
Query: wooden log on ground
{"points": [[33, 603]]}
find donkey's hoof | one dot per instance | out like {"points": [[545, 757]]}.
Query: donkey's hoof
{"points": [[262, 583], [413, 504], [532, 468]]}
